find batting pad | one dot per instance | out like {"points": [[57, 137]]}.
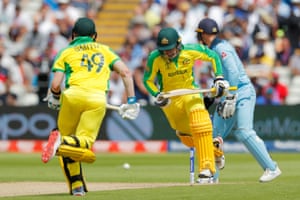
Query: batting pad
{"points": [[76, 153], [73, 173], [201, 129]]}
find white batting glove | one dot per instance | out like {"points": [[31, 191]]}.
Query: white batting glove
{"points": [[226, 108], [161, 101], [221, 87], [130, 110], [53, 101]]}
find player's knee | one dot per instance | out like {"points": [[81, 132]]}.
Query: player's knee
{"points": [[243, 134], [185, 138], [76, 153]]}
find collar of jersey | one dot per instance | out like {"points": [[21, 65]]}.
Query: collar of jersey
{"points": [[81, 39], [215, 42]]}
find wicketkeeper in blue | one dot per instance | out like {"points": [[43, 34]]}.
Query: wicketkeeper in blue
{"points": [[235, 111]]}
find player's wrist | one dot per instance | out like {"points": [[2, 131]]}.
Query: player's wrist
{"points": [[55, 94], [131, 100]]}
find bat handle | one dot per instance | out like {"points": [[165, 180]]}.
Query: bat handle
{"points": [[112, 107], [231, 88]]}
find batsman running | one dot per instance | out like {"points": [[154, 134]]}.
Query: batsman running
{"points": [[170, 67], [85, 65]]}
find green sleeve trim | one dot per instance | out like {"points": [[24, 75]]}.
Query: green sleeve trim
{"points": [[149, 74], [112, 63]]}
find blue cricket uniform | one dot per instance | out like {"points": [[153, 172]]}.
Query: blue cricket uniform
{"points": [[241, 124]]}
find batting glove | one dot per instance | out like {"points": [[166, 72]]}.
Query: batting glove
{"points": [[208, 101], [221, 87], [161, 101], [130, 110], [226, 108], [53, 100]]}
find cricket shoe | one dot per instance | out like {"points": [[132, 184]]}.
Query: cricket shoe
{"points": [[219, 160], [79, 191], [205, 177], [52, 146], [269, 175]]}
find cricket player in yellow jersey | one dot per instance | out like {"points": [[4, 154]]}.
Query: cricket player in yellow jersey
{"points": [[170, 67], [85, 66]]}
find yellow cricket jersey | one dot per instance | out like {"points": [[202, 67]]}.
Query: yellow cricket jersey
{"points": [[178, 72], [86, 64]]}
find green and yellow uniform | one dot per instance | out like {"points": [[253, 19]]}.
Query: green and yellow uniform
{"points": [[186, 114], [87, 66]]}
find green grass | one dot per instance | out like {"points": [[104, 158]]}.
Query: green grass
{"points": [[239, 179]]}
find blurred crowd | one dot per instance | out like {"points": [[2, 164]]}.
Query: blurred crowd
{"points": [[265, 33], [29, 41]]}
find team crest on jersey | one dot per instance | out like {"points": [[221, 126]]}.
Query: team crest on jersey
{"points": [[186, 61], [223, 54]]}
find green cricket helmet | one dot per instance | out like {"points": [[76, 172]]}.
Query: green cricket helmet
{"points": [[84, 27], [167, 39]]}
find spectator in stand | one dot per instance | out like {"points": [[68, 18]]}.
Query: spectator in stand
{"points": [[278, 89], [283, 49], [4, 85], [257, 86], [7, 14], [71, 13], [46, 19], [269, 98], [141, 93], [46, 60], [116, 93], [64, 26], [36, 38], [292, 25], [16, 40], [262, 51], [22, 79], [294, 63]]}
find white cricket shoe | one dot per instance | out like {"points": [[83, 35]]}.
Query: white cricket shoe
{"points": [[269, 175], [205, 177], [219, 160], [78, 191], [52, 146]]}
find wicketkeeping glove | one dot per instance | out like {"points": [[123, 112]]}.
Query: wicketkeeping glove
{"points": [[53, 100], [130, 110], [161, 101], [221, 86], [226, 108]]}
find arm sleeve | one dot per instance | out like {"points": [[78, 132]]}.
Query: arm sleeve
{"points": [[208, 55], [151, 75], [230, 62]]}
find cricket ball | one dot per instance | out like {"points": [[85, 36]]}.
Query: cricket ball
{"points": [[126, 166]]}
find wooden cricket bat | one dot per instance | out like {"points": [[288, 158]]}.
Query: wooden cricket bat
{"points": [[180, 92]]}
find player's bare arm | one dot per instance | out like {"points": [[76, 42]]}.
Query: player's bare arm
{"points": [[126, 76]]}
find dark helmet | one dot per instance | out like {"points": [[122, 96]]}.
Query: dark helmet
{"points": [[84, 27], [208, 26], [167, 39]]}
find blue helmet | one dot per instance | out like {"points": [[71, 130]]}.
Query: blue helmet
{"points": [[208, 25]]}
